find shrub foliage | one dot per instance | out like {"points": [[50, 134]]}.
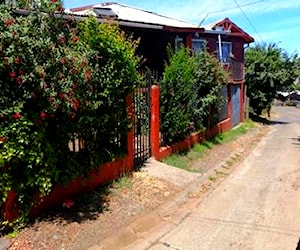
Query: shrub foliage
{"points": [[268, 70], [60, 81], [189, 91]]}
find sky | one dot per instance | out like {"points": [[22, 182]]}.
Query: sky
{"points": [[268, 21]]}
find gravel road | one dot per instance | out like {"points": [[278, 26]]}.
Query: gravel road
{"points": [[257, 206]]}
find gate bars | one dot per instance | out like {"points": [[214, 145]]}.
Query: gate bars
{"points": [[141, 125]]}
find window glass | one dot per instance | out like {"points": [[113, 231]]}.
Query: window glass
{"points": [[198, 45], [178, 42], [226, 51]]}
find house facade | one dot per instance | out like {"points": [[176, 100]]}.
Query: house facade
{"points": [[227, 41], [155, 32], [224, 39]]}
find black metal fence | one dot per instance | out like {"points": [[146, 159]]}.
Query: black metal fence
{"points": [[141, 109]]}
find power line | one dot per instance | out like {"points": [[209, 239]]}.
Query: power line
{"points": [[227, 9], [251, 24]]}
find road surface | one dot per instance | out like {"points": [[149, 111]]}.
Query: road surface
{"points": [[256, 207]]}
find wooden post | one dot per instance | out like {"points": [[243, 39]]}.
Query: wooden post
{"points": [[154, 126]]}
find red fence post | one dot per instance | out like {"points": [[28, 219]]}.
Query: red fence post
{"points": [[10, 209], [154, 124], [130, 137]]}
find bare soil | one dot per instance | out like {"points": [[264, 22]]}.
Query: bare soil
{"points": [[97, 215]]}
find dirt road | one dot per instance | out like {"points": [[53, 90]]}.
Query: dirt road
{"points": [[256, 207]]}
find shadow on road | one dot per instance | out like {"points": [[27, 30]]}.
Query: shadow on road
{"points": [[296, 141], [298, 246], [266, 121]]}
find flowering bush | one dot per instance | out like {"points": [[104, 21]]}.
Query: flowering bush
{"points": [[59, 83]]}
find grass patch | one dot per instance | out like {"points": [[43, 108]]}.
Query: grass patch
{"points": [[124, 182], [184, 160], [178, 160], [234, 133]]}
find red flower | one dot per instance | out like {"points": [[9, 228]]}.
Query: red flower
{"points": [[74, 71], [84, 63], [19, 80], [53, 1], [8, 22], [75, 104], [73, 116], [75, 39], [63, 60], [74, 86], [68, 203], [61, 39], [21, 72], [60, 76], [12, 74], [17, 116], [88, 75], [71, 93], [18, 60], [43, 115], [62, 96], [51, 99]]}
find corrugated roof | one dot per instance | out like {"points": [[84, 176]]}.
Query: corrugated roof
{"points": [[132, 14]]}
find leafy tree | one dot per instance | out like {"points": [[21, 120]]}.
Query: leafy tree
{"points": [[59, 82], [268, 69], [291, 67]]}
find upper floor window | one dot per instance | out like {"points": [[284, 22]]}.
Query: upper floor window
{"points": [[226, 47], [198, 45], [178, 42]]}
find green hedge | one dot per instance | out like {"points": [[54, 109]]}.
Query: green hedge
{"points": [[190, 90], [60, 79]]}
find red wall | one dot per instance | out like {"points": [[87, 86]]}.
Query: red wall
{"points": [[105, 173], [193, 139]]}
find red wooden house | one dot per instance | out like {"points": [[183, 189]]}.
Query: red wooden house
{"points": [[224, 39], [227, 41]]}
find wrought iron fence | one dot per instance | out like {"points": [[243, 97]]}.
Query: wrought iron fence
{"points": [[141, 107]]}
